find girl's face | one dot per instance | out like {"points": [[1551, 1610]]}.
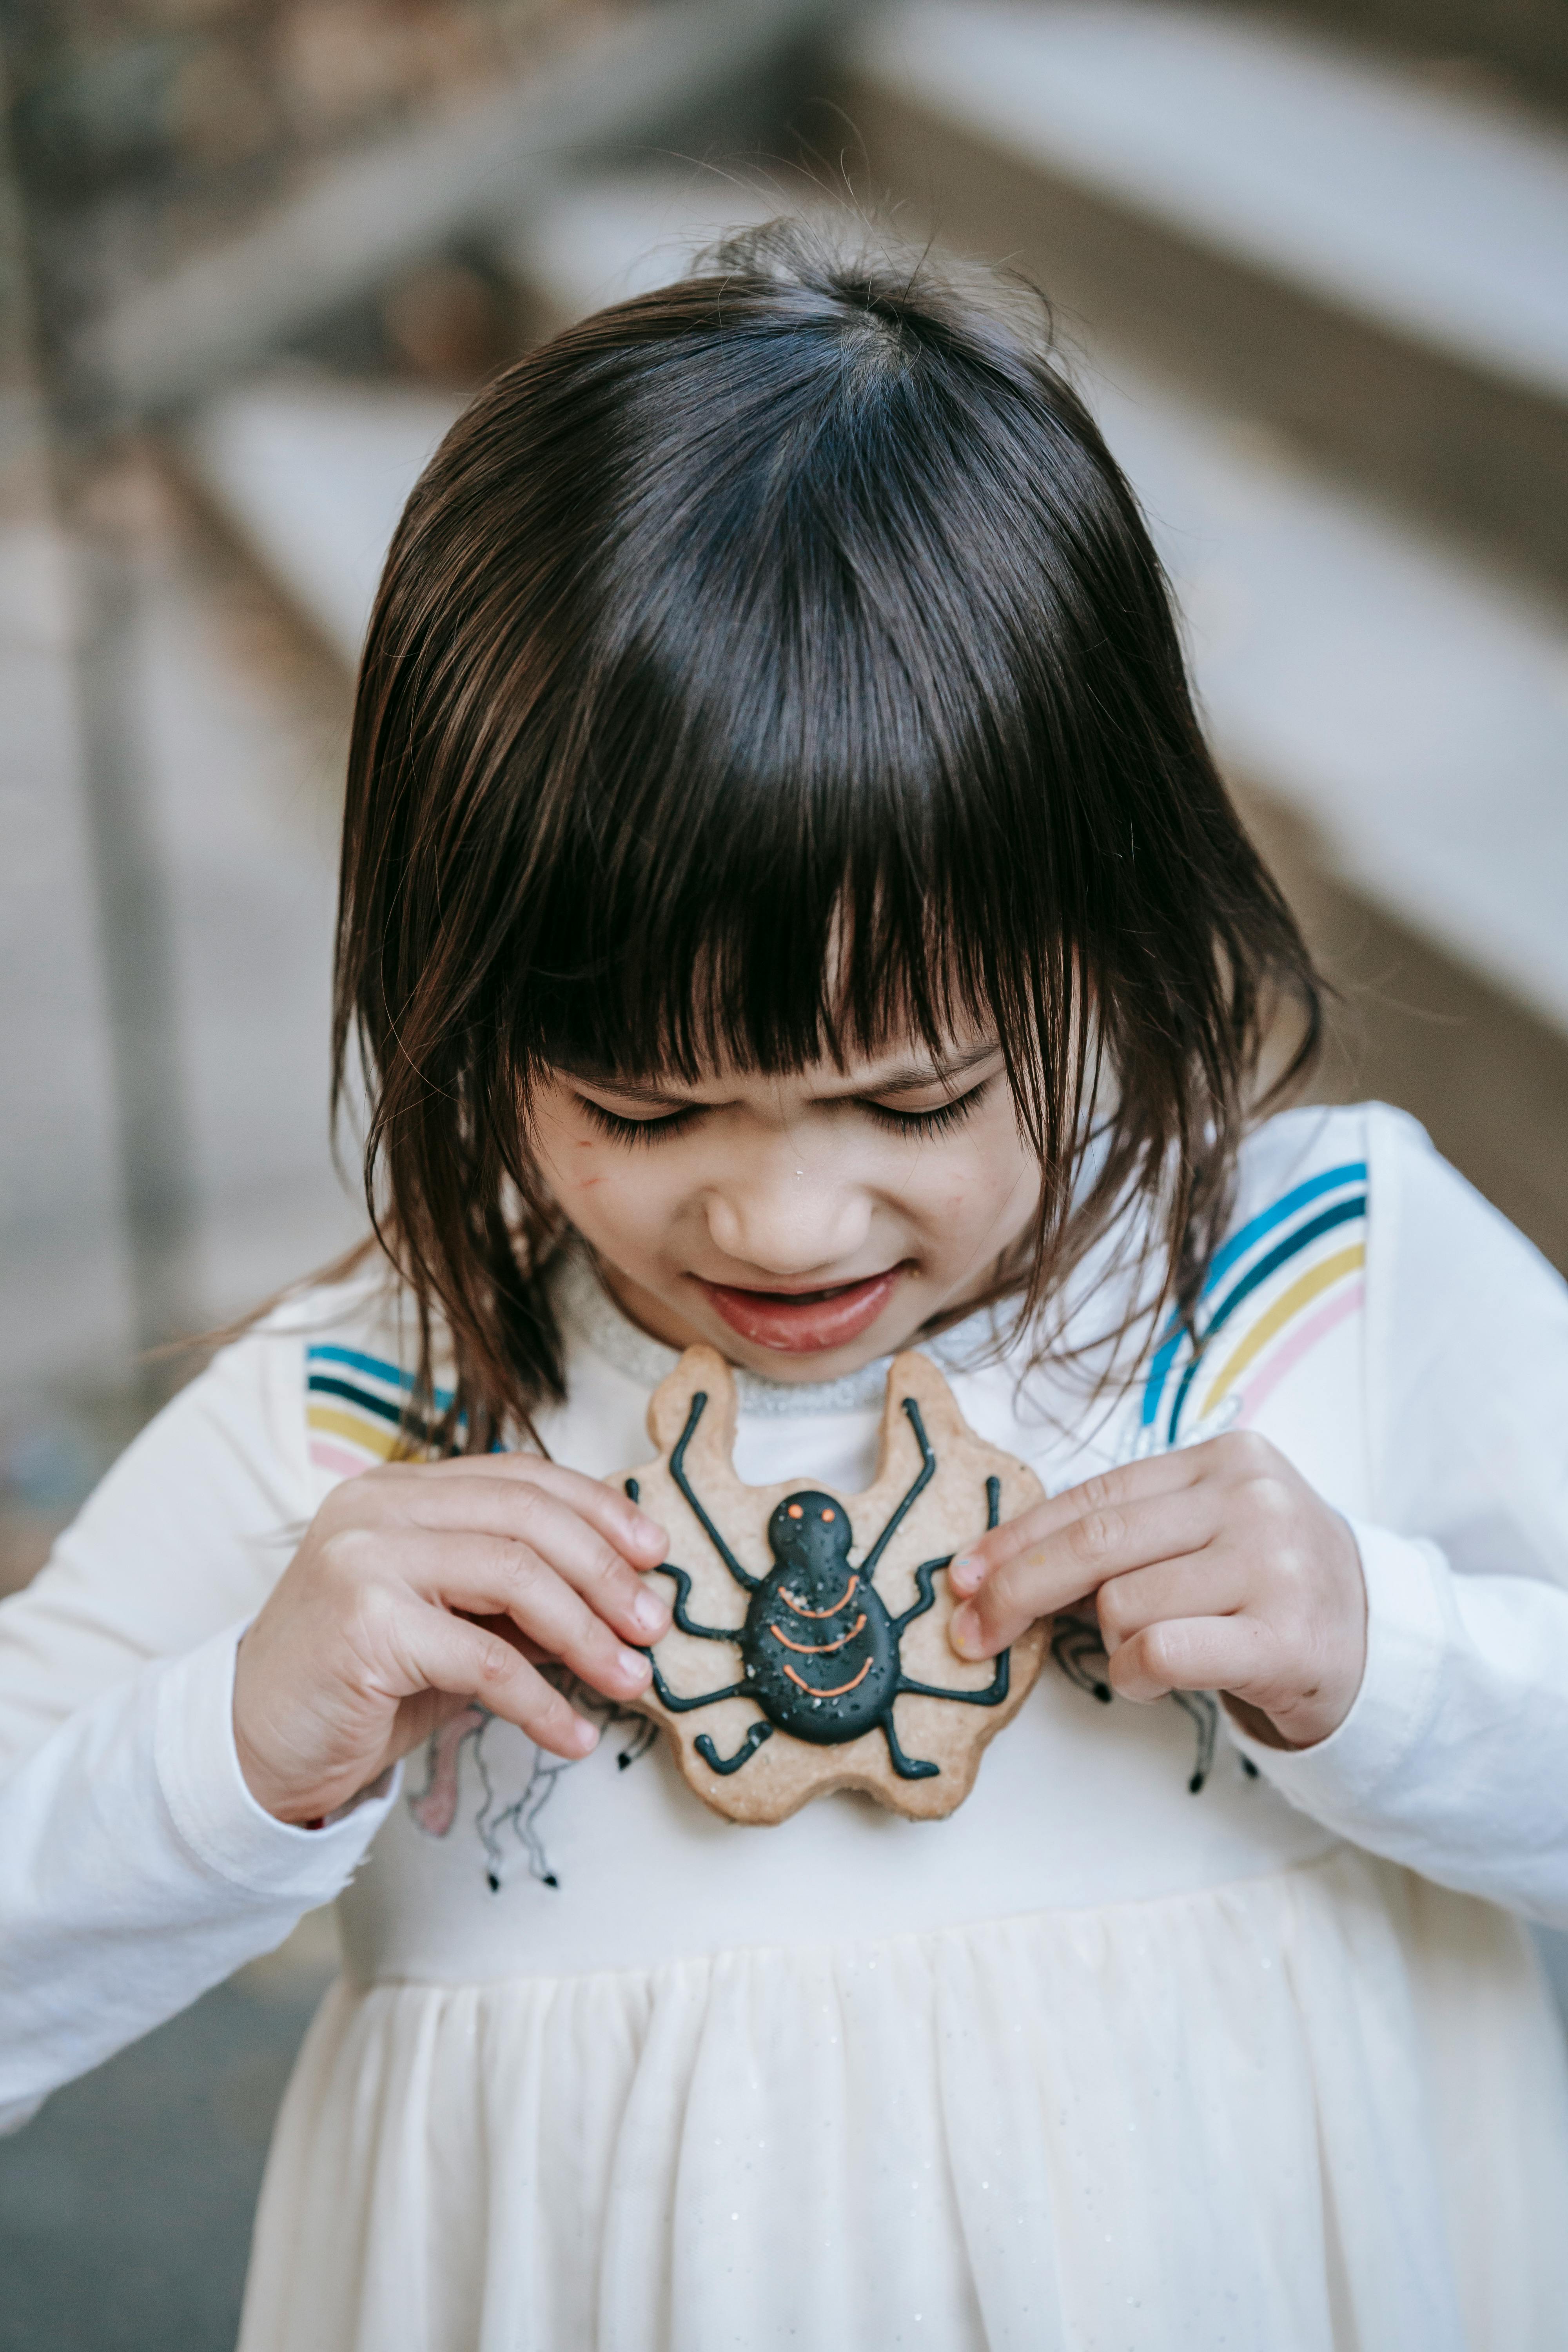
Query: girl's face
{"points": [[803, 1225]]}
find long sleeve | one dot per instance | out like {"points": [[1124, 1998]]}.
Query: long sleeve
{"points": [[1454, 1757], [136, 1870]]}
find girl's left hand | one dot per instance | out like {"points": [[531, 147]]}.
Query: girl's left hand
{"points": [[1214, 1568]]}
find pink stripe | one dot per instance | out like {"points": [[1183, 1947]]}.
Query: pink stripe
{"points": [[1307, 1335], [337, 1457]]}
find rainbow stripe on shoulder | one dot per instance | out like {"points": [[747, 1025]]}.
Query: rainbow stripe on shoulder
{"points": [[1280, 1285], [356, 1409]]}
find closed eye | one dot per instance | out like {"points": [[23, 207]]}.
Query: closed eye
{"points": [[939, 1121], [640, 1131]]}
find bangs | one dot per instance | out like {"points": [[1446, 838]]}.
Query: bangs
{"points": [[775, 976], [780, 876]]}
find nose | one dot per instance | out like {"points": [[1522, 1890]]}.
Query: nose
{"points": [[786, 1221]]}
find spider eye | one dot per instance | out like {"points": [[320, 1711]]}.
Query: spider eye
{"points": [[795, 1512], [828, 1515]]}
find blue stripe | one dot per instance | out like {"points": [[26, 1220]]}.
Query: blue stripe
{"points": [[319, 1385], [374, 1365], [377, 1365], [1352, 1172], [1341, 1213]]}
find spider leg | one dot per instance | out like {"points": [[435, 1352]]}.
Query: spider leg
{"points": [[995, 1692], [1204, 1711], [682, 1594], [748, 1747], [931, 1567], [678, 1705], [525, 1822], [924, 1478], [743, 1576], [1073, 1642], [927, 1597], [908, 1767]]}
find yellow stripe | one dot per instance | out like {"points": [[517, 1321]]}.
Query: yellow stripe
{"points": [[1301, 1294], [365, 1434]]}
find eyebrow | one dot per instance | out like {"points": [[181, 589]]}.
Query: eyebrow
{"points": [[907, 1080]]}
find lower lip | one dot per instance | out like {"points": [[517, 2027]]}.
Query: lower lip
{"points": [[807, 1324]]}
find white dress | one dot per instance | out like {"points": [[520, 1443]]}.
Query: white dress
{"points": [[1100, 2061]]}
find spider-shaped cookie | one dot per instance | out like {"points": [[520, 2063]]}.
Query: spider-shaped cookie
{"points": [[842, 1675]]}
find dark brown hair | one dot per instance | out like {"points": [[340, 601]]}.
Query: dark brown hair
{"points": [[763, 667]]}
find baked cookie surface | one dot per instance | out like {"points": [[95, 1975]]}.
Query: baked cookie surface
{"points": [[810, 1650]]}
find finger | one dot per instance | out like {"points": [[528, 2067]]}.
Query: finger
{"points": [[1192, 1653], [448, 1653], [1080, 1557], [1213, 1582], [1111, 1490], [634, 1535], [492, 1576], [553, 1528], [524, 1644]]}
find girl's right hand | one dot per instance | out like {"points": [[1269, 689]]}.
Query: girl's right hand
{"points": [[369, 1640]]}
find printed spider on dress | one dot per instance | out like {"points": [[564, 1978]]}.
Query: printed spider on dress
{"points": [[1077, 1642], [516, 1779], [819, 1647]]}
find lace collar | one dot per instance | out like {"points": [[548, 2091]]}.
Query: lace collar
{"points": [[586, 1307]]}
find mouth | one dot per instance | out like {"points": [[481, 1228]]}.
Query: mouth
{"points": [[804, 1322]]}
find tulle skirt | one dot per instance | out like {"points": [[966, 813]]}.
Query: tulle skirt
{"points": [[1327, 2108]]}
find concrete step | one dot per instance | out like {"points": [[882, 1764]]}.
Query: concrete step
{"points": [[1325, 240], [310, 474], [1407, 703]]}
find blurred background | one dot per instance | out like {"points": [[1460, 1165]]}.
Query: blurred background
{"points": [[1310, 267]]}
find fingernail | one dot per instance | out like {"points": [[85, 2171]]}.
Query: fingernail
{"points": [[634, 1667], [585, 1733], [964, 1573], [963, 1632], [650, 1612]]}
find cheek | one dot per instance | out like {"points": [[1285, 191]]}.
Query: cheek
{"points": [[577, 1169], [612, 1190], [617, 1203], [623, 1209], [993, 1179]]}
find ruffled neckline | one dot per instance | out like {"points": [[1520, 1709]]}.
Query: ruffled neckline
{"points": [[585, 1306]]}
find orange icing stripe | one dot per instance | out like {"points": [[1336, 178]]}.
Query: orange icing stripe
{"points": [[818, 1649], [802, 1611], [839, 1689]]}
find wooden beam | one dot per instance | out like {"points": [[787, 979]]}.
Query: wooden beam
{"points": [[367, 215]]}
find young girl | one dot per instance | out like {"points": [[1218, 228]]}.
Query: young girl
{"points": [[787, 904]]}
